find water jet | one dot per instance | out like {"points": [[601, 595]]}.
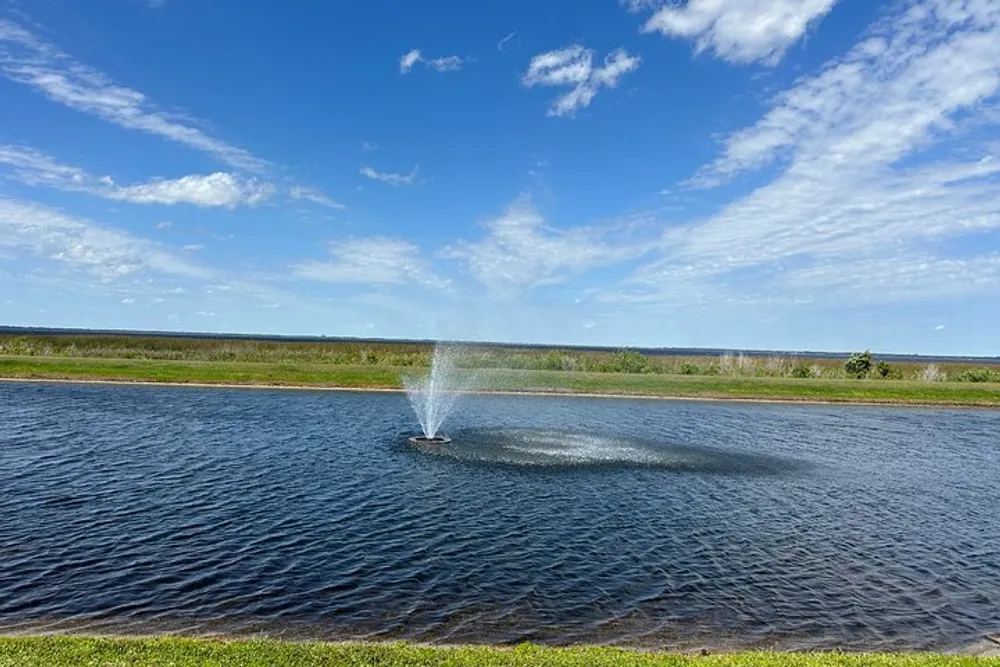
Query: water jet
{"points": [[434, 395]]}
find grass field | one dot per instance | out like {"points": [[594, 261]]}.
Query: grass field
{"points": [[162, 652], [382, 377]]}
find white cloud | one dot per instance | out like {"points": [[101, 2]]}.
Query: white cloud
{"points": [[861, 208], [446, 64], [34, 168], [520, 251], [389, 177], [29, 60], [80, 243], [314, 196], [939, 327], [371, 261], [368, 146], [740, 31], [441, 64], [220, 189], [408, 60], [193, 247], [166, 224], [574, 66]]}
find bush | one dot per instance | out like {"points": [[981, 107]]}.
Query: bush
{"points": [[801, 371], [630, 361], [981, 374], [688, 368], [859, 365]]}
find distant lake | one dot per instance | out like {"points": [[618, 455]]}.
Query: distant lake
{"points": [[659, 524]]}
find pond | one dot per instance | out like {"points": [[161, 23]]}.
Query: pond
{"points": [[659, 524]]}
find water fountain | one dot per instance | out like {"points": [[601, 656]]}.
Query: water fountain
{"points": [[433, 396]]}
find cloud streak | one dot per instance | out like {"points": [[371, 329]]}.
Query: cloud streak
{"points": [[315, 196], [28, 60], [520, 251], [861, 207], [390, 178], [219, 189], [371, 261], [104, 252], [441, 64]]}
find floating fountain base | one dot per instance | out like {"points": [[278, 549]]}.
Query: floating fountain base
{"points": [[424, 440]]}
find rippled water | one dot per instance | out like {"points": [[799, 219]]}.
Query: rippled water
{"points": [[648, 523]]}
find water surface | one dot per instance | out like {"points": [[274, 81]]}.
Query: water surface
{"points": [[644, 523]]}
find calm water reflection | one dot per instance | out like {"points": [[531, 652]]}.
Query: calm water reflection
{"points": [[649, 523]]}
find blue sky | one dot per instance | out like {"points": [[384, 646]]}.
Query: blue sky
{"points": [[796, 174]]}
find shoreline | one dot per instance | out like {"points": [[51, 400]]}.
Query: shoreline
{"points": [[257, 386], [52, 649]]}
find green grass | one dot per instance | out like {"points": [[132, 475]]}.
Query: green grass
{"points": [[212, 372], [380, 377], [162, 652]]}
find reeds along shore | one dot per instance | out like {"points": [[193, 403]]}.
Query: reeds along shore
{"points": [[411, 355]]}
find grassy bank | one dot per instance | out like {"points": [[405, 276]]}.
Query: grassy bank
{"points": [[91, 652], [380, 377], [388, 354]]}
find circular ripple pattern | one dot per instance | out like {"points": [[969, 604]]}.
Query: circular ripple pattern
{"points": [[642, 523], [564, 448]]}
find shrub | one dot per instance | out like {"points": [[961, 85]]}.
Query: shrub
{"points": [[981, 374], [557, 361], [859, 365], [630, 361], [687, 368], [801, 371]]}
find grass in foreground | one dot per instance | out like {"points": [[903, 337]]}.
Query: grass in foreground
{"points": [[378, 377], [161, 652]]}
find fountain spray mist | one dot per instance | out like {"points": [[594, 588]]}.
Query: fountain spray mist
{"points": [[433, 396]]}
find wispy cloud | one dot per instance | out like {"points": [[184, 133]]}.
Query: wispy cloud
{"points": [[371, 261], [107, 253], [446, 63], [220, 189], [391, 178], [521, 251], [740, 31], [506, 39], [27, 59], [861, 208], [440, 64], [574, 66], [369, 146], [314, 196]]}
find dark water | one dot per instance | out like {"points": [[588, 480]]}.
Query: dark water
{"points": [[648, 523]]}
